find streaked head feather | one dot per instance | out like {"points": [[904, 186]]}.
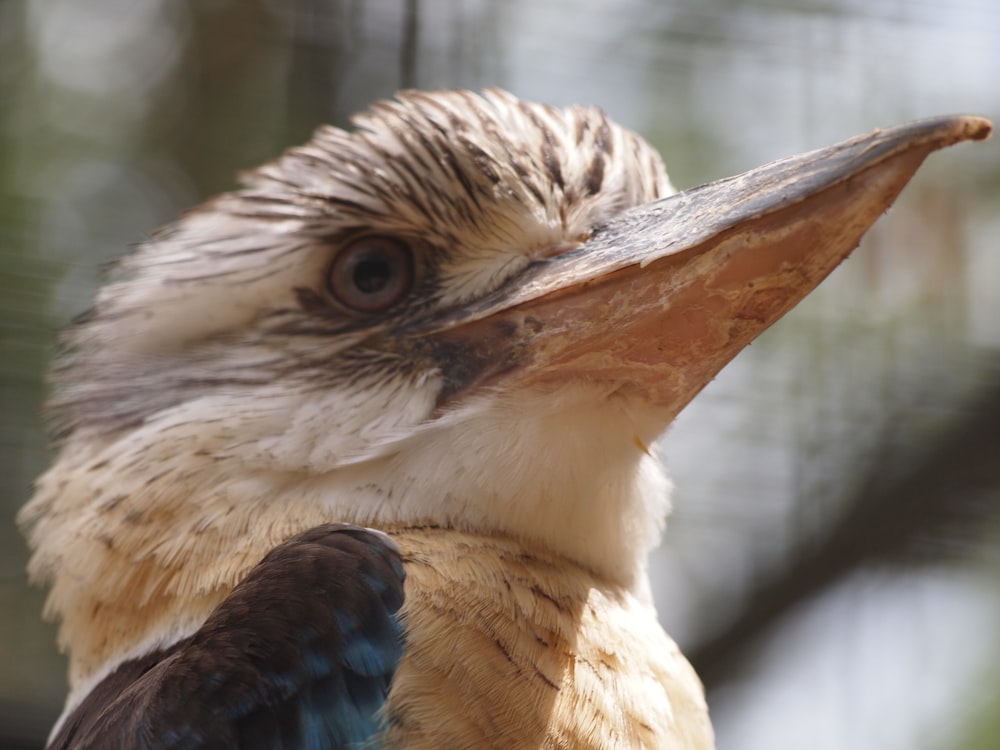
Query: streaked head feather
{"points": [[216, 400]]}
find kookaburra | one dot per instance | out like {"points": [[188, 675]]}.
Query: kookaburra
{"points": [[361, 454]]}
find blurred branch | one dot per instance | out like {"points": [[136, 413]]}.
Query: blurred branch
{"points": [[941, 492], [408, 51]]}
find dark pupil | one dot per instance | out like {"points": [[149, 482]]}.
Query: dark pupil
{"points": [[371, 275]]}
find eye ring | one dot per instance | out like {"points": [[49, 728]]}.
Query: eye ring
{"points": [[371, 274]]}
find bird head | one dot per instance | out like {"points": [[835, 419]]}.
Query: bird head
{"points": [[467, 312]]}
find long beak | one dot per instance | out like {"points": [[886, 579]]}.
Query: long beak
{"points": [[663, 296]]}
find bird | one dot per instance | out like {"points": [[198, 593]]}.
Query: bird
{"points": [[362, 454]]}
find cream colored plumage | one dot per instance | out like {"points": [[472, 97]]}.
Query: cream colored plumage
{"points": [[219, 401], [548, 654]]}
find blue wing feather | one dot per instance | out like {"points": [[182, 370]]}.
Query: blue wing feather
{"points": [[299, 656]]}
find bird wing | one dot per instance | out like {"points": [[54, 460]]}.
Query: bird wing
{"points": [[300, 655]]}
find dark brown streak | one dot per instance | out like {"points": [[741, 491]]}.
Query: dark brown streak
{"points": [[484, 162], [315, 304], [467, 184], [544, 678], [406, 168], [549, 150], [265, 272], [303, 329], [390, 190], [345, 204], [430, 147], [424, 527], [405, 131], [595, 173], [525, 177], [552, 600], [506, 654], [276, 250]]}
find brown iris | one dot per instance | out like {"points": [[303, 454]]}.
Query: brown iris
{"points": [[371, 274]]}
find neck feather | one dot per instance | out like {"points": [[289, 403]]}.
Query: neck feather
{"points": [[138, 553]]}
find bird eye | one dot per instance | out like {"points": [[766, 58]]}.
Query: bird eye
{"points": [[371, 274]]}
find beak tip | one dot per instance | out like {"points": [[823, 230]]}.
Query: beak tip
{"points": [[976, 128], [941, 132]]}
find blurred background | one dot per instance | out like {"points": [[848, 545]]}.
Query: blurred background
{"points": [[833, 563]]}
